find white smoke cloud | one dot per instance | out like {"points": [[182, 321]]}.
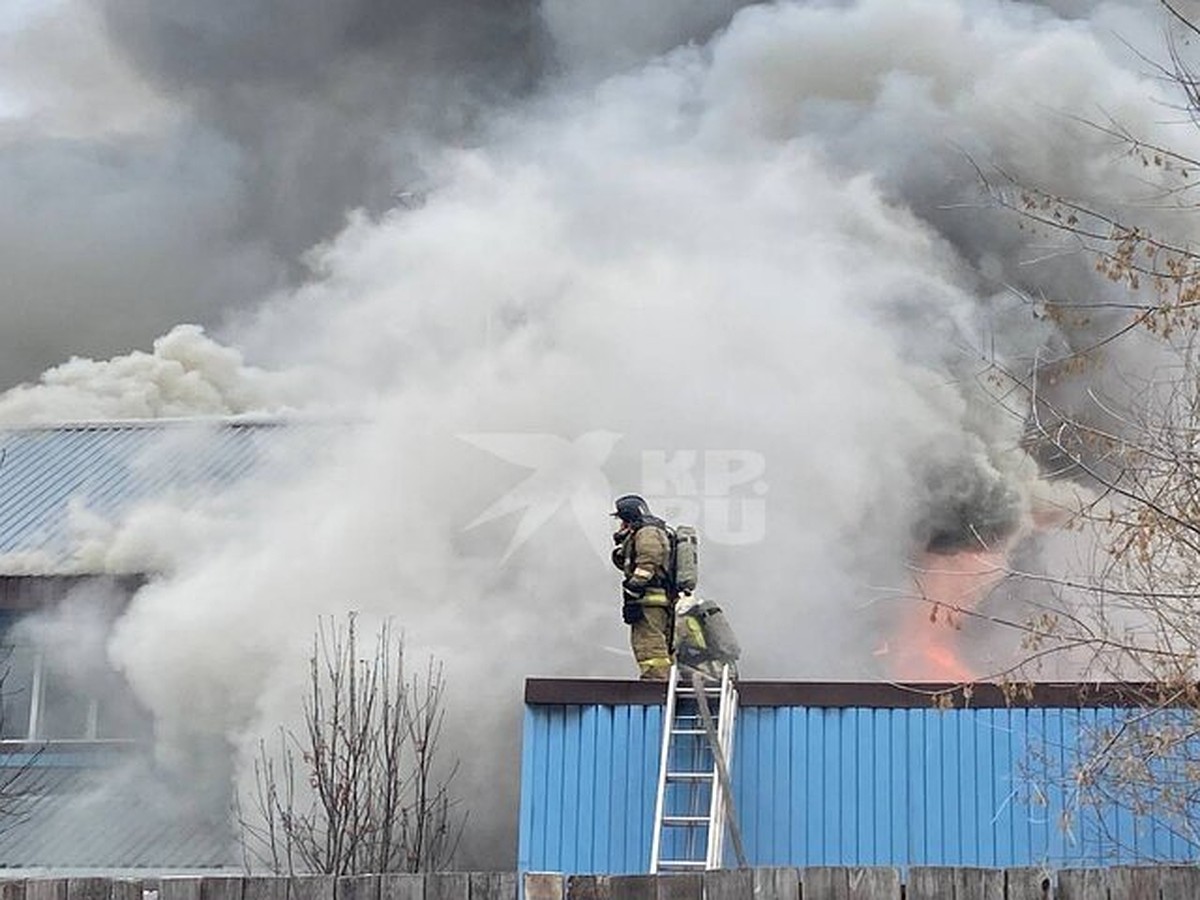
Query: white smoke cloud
{"points": [[186, 374], [769, 243]]}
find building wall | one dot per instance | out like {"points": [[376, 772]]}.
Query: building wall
{"points": [[842, 786], [588, 779]]}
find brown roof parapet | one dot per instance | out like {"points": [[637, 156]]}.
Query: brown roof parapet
{"points": [[871, 694]]}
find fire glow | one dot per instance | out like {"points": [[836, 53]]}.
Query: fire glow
{"points": [[948, 586]]}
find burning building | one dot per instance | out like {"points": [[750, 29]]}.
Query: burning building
{"points": [[610, 242]]}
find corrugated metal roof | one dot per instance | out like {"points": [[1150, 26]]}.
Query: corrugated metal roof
{"points": [[837, 787], [92, 811], [50, 473]]}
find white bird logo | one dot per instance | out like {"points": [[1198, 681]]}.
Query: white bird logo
{"points": [[564, 472]]}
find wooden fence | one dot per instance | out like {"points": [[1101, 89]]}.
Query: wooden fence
{"points": [[1117, 883], [1130, 883]]}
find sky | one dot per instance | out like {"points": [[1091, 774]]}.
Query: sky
{"points": [[733, 256]]}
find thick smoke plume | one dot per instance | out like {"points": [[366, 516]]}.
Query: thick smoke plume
{"points": [[735, 259], [186, 374], [167, 162]]}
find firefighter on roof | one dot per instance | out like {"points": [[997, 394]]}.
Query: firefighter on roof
{"points": [[643, 553]]}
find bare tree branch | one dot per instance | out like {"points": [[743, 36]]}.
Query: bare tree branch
{"points": [[360, 788]]}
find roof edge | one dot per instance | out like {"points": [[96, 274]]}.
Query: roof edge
{"points": [[166, 421], [865, 694]]}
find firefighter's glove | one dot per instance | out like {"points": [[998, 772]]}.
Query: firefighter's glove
{"points": [[633, 591], [632, 612]]}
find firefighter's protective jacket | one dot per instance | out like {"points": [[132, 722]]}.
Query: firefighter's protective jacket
{"points": [[643, 557]]}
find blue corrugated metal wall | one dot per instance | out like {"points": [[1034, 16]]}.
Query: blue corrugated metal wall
{"points": [[816, 786], [587, 787]]}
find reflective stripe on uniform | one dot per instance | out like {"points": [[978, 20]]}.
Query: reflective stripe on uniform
{"points": [[655, 597]]}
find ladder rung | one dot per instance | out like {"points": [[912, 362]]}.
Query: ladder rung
{"points": [[685, 820], [682, 863], [688, 731], [711, 690], [690, 776]]}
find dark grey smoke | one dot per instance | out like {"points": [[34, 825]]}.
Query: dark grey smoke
{"points": [[104, 246], [283, 117], [328, 102], [970, 506], [271, 120]]}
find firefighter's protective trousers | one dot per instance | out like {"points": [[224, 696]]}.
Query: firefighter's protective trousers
{"points": [[650, 638]]}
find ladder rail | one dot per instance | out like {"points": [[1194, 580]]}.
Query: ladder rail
{"points": [[663, 767], [712, 853], [727, 813], [723, 812], [723, 815]]}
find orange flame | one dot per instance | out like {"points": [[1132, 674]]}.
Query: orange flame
{"points": [[927, 639]]}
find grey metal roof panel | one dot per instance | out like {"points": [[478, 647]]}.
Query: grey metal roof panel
{"points": [[101, 817], [107, 468]]}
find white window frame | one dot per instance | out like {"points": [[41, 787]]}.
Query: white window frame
{"points": [[37, 700]]}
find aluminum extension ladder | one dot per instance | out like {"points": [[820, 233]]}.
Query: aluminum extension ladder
{"points": [[694, 806]]}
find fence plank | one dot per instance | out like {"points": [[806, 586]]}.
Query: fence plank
{"points": [[493, 886], [224, 887], [824, 883], [681, 886], [89, 888], [177, 889], [584, 887], [311, 887], [728, 884], [930, 883], [1133, 883], [126, 889], [46, 889], [400, 886], [263, 887], [544, 886], [1145, 883], [978, 884], [633, 887], [447, 886], [1029, 884], [356, 887], [12, 889], [777, 884], [873, 883], [1180, 882], [1082, 884]]}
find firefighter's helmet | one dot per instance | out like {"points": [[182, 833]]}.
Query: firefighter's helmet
{"points": [[631, 508]]}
